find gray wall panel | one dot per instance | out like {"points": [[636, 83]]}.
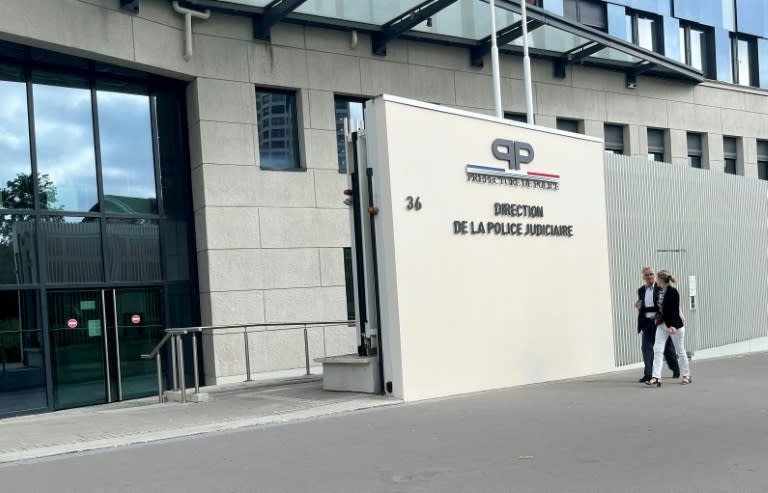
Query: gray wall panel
{"points": [[693, 223]]}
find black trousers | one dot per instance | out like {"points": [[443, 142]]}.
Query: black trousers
{"points": [[649, 337]]}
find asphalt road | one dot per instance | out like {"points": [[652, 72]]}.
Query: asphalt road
{"points": [[599, 434]]}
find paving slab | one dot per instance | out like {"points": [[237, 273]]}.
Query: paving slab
{"points": [[145, 420]]}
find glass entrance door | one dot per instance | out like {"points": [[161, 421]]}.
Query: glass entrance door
{"points": [[97, 338]]}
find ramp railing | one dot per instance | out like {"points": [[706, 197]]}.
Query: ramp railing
{"points": [[176, 335]]}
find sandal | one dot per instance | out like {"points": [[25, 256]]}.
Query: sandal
{"points": [[685, 381], [654, 381]]}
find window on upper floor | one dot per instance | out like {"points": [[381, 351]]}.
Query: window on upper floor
{"points": [[277, 120], [695, 150], [569, 125], [645, 30], [744, 55], [655, 144], [589, 12], [730, 154], [762, 159], [516, 117], [696, 48], [350, 109], [614, 138]]}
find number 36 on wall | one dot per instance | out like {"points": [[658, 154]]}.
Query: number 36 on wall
{"points": [[412, 204]]}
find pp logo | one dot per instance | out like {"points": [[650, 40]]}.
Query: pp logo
{"points": [[514, 153]]}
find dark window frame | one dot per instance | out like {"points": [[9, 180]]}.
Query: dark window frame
{"points": [[579, 10], [516, 117], [695, 153], [752, 60], [762, 159], [656, 152], [340, 144], [293, 139], [614, 145], [730, 155], [657, 34], [566, 125], [708, 47]]}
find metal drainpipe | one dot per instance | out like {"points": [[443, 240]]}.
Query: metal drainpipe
{"points": [[188, 14]]}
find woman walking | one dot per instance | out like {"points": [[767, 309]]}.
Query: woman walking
{"points": [[669, 324]]}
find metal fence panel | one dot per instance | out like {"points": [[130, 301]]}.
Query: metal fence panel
{"points": [[693, 223]]}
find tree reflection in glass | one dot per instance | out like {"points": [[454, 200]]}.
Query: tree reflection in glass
{"points": [[17, 255]]}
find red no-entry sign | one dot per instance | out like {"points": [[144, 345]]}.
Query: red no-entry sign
{"points": [[71, 323], [135, 318]]}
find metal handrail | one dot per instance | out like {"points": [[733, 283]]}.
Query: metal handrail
{"points": [[177, 350], [202, 328], [158, 347]]}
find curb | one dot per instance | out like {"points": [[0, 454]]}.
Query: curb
{"points": [[8, 458]]}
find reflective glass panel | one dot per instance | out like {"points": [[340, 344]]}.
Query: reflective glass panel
{"points": [[22, 369], [468, 19], [698, 42], [762, 170], [683, 46], [694, 161], [72, 248], [278, 129], [368, 11], [64, 142], [567, 125], [352, 111], [762, 150], [730, 166], [742, 62], [616, 55], [629, 28], [551, 39], [139, 318], [76, 334], [127, 160], [646, 33], [15, 168], [133, 250], [18, 261]]}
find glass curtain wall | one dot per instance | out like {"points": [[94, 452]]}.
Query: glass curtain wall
{"points": [[95, 188]]}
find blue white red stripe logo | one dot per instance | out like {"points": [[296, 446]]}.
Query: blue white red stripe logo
{"points": [[482, 169]]}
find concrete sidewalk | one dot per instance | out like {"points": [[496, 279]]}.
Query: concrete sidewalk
{"points": [[145, 420]]}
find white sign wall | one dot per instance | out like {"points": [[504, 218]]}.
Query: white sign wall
{"points": [[489, 276]]}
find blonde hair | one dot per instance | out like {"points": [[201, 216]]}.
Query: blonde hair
{"points": [[666, 276]]}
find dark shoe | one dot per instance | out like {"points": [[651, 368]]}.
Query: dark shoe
{"points": [[676, 374], [654, 381], [644, 379]]}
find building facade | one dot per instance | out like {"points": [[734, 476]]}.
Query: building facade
{"points": [[153, 178]]}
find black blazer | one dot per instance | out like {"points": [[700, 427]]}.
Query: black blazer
{"points": [[650, 309], [670, 308]]}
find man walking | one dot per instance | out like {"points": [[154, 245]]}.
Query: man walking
{"points": [[647, 297]]}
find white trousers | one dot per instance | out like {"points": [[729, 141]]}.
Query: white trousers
{"points": [[658, 350]]}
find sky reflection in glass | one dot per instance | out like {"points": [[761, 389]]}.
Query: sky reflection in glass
{"points": [[64, 144], [127, 162], [14, 144]]}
